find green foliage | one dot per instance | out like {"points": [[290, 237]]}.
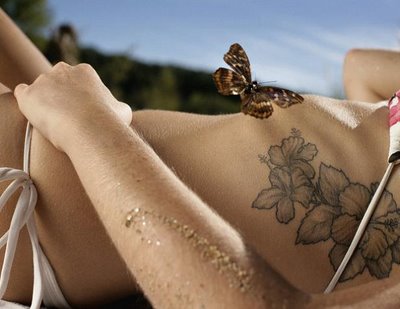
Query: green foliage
{"points": [[152, 86], [32, 16], [164, 93]]}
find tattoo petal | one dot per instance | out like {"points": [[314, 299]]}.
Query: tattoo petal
{"points": [[389, 225], [396, 252], [280, 178], [268, 198], [343, 229], [285, 210], [308, 152], [306, 167], [276, 156], [331, 182], [316, 225], [355, 267], [354, 200], [303, 189], [374, 244], [382, 266], [291, 147], [386, 202]]}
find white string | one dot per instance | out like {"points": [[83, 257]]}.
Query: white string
{"points": [[45, 285], [361, 228]]}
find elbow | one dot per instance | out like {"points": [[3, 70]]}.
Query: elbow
{"points": [[351, 64], [353, 80]]}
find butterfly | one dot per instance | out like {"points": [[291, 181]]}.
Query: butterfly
{"points": [[256, 99]]}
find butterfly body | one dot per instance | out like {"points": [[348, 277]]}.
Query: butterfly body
{"points": [[256, 99], [251, 88]]}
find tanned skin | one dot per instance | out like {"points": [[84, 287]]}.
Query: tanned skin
{"points": [[231, 162]]}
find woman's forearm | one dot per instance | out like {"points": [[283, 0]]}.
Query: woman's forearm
{"points": [[20, 60], [182, 254]]}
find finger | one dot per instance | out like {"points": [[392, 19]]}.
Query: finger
{"points": [[19, 90], [125, 113]]}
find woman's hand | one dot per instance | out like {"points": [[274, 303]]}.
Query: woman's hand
{"points": [[68, 99]]}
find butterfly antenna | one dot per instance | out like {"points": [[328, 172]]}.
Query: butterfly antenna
{"points": [[267, 82]]}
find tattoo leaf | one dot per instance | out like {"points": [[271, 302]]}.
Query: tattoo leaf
{"points": [[355, 267], [316, 225], [331, 182]]}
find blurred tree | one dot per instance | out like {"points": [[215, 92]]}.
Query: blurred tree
{"points": [[144, 85], [164, 94], [209, 103], [114, 73], [140, 84], [63, 45], [32, 16]]}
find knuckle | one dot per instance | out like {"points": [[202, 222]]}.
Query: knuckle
{"points": [[40, 79], [88, 71], [61, 66], [85, 67]]}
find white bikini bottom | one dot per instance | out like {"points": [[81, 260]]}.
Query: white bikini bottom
{"points": [[45, 287]]}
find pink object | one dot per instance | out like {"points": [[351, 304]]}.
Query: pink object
{"points": [[394, 127]]}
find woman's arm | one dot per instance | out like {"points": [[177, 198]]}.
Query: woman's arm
{"points": [[166, 262], [188, 255], [371, 75], [20, 60]]}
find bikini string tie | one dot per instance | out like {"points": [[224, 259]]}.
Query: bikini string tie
{"points": [[45, 286]]}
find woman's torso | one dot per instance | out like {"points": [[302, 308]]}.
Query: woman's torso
{"points": [[282, 181], [218, 157]]}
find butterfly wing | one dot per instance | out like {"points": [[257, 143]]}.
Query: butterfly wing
{"points": [[281, 97], [237, 59], [228, 82], [256, 105]]}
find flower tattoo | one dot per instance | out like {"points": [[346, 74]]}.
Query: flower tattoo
{"points": [[290, 178], [335, 208]]}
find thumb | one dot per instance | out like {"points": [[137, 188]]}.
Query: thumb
{"points": [[126, 113], [19, 90]]}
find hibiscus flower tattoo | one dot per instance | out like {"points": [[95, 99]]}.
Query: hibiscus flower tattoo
{"points": [[290, 177], [335, 208]]}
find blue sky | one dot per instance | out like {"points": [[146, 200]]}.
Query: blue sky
{"points": [[300, 44]]}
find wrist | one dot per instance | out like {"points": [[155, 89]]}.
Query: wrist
{"points": [[95, 134]]}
